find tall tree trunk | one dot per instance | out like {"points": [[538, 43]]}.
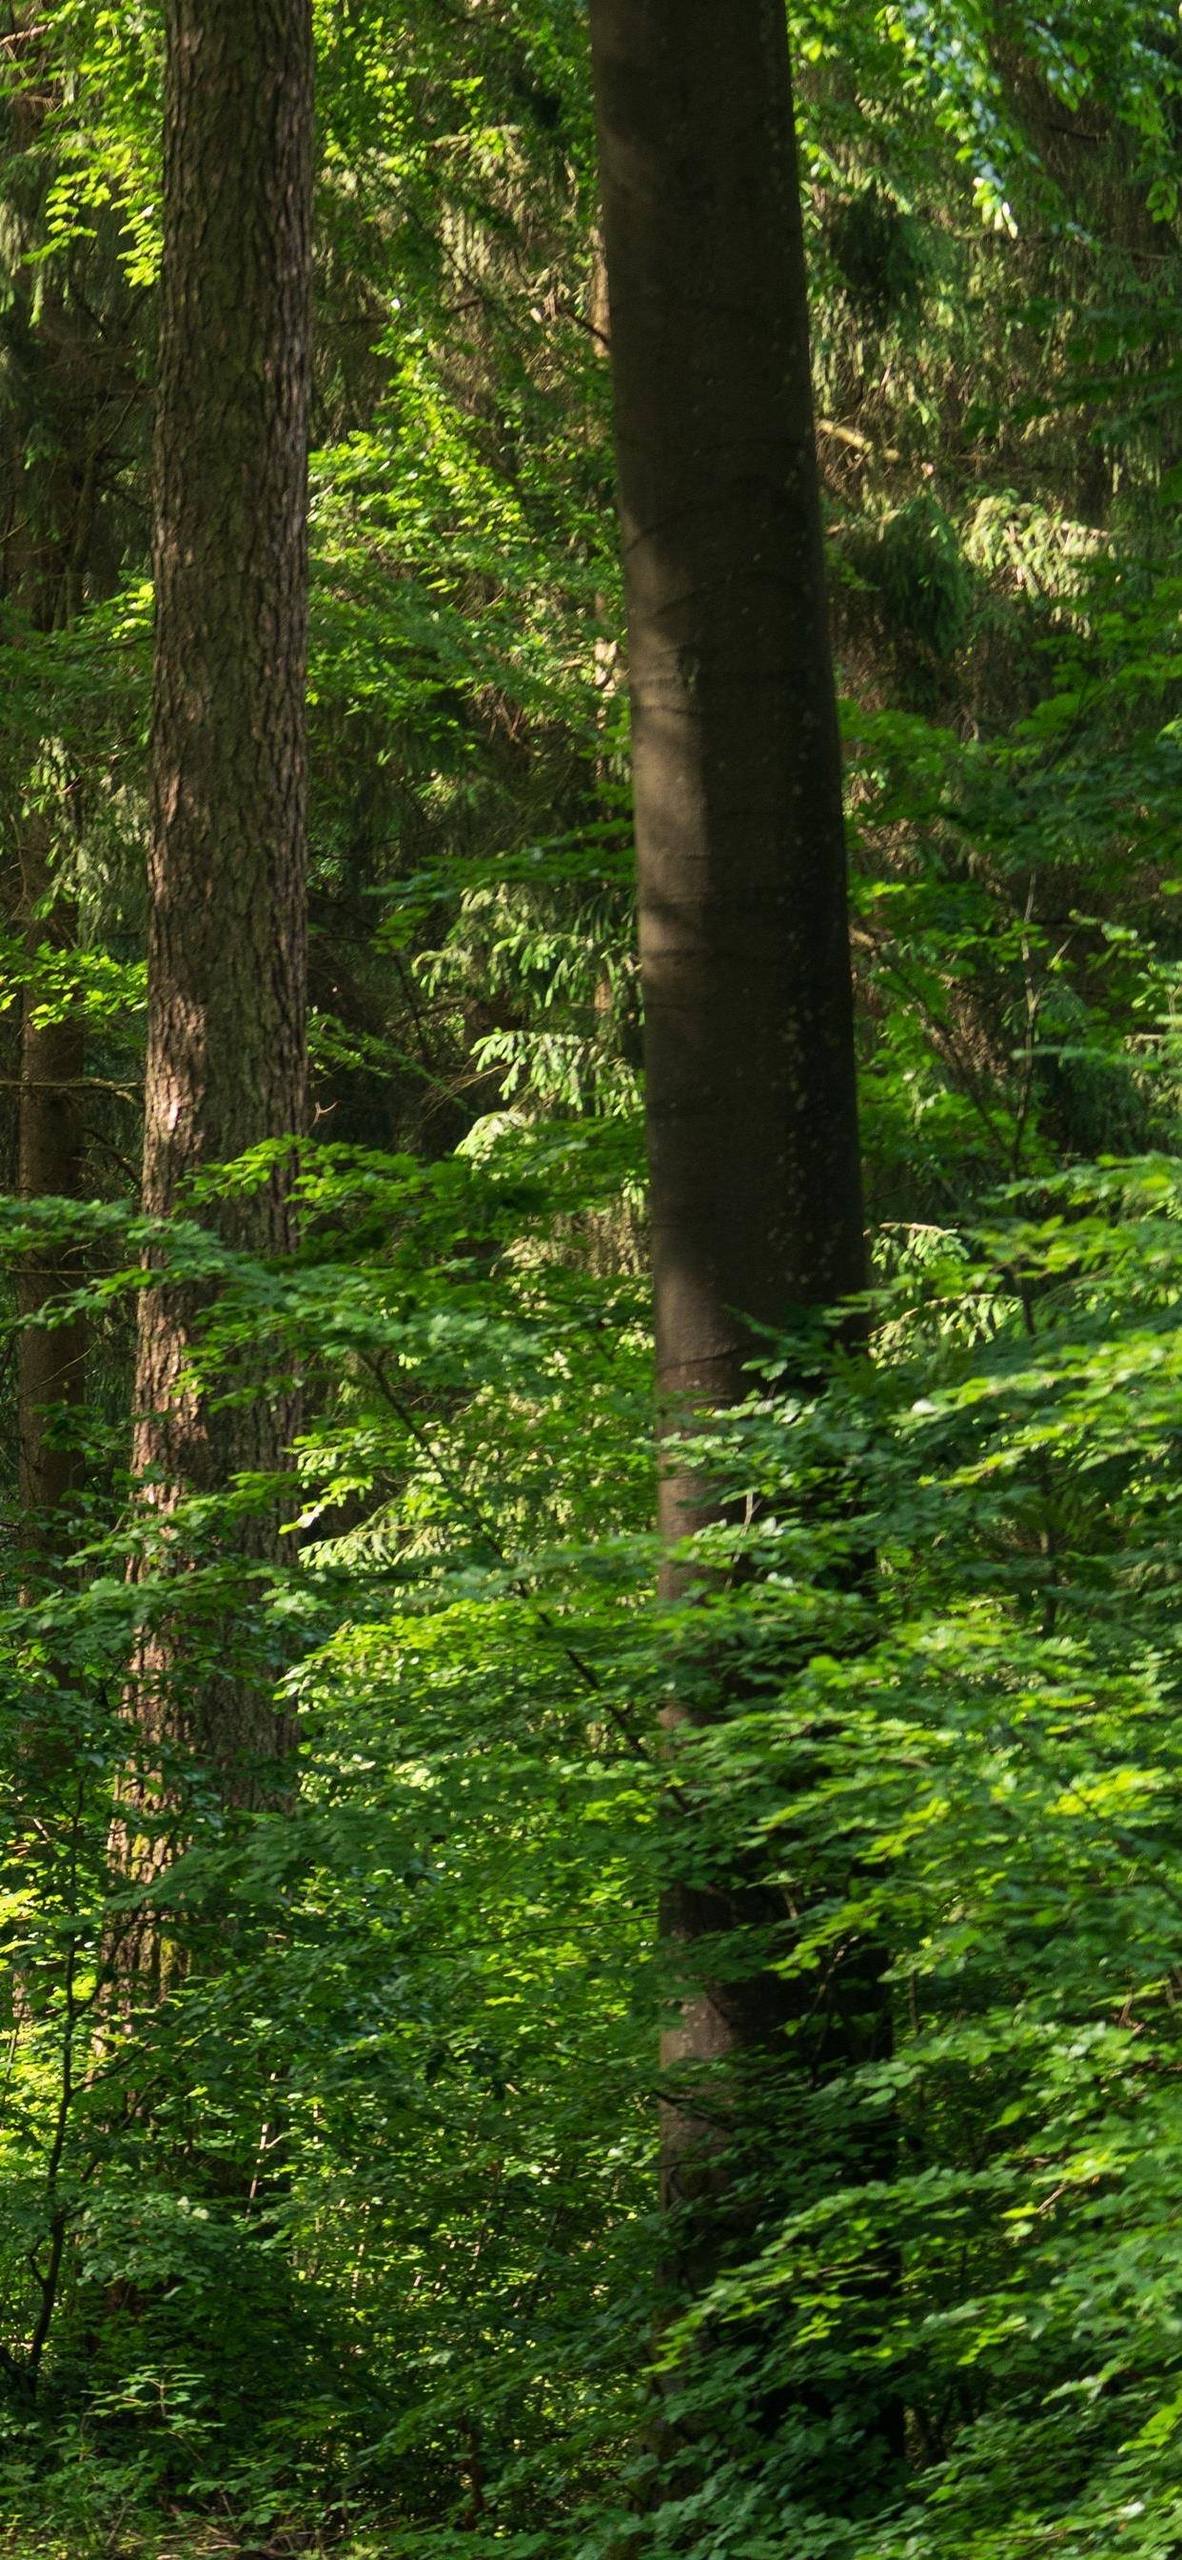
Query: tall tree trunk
{"points": [[51, 1359], [755, 1186], [45, 568], [226, 958]]}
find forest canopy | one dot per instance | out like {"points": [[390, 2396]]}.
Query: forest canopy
{"points": [[590, 771]]}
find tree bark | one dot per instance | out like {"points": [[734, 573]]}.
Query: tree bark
{"points": [[46, 567], [755, 1183], [226, 1062], [51, 1359]]}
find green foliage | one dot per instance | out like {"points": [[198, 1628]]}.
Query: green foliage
{"points": [[350, 2240], [879, 252], [912, 565]]}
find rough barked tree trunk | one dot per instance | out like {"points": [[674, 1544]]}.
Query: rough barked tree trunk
{"points": [[755, 1186], [226, 959], [51, 1359], [48, 569]]}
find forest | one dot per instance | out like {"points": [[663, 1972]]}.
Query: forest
{"points": [[590, 1256]]}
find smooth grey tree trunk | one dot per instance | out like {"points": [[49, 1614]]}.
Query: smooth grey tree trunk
{"points": [[755, 1183]]}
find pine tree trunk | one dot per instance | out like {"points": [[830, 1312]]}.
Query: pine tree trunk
{"points": [[51, 1359], [755, 1185], [227, 959], [47, 570]]}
